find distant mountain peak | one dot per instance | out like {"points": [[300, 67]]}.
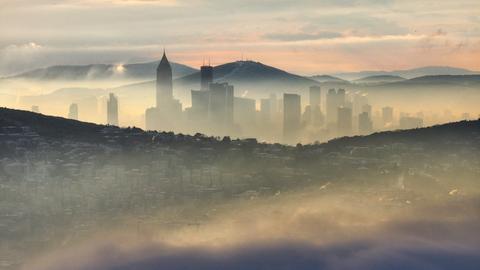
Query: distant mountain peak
{"points": [[408, 73], [138, 71]]}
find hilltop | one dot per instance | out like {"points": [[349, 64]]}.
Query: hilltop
{"points": [[61, 128], [408, 73], [137, 71], [378, 79]]}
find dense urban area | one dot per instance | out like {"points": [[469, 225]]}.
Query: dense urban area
{"points": [[61, 179]]}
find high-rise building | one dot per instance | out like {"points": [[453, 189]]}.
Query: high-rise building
{"points": [[164, 87], [244, 114], [206, 77], [365, 125], [112, 110], [335, 99], [291, 117], [387, 116], [168, 111], [359, 100], [265, 110], [274, 104], [313, 113], [345, 121], [314, 95], [199, 109], [220, 109], [367, 108], [73, 111]]}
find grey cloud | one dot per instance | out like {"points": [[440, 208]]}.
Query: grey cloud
{"points": [[302, 36]]}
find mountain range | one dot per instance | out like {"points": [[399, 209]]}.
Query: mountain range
{"points": [[408, 73], [139, 71], [234, 72]]}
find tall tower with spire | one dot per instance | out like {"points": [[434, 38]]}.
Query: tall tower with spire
{"points": [[164, 83]]}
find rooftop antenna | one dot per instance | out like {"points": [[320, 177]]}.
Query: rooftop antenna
{"points": [[209, 61], [203, 63]]}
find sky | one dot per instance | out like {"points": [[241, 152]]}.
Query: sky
{"points": [[304, 36]]}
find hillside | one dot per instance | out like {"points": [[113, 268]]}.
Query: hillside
{"points": [[327, 78], [250, 74], [58, 127], [408, 73], [379, 79], [80, 179], [139, 71]]}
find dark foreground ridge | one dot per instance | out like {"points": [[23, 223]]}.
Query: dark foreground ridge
{"points": [[67, 180], [61, 128]]}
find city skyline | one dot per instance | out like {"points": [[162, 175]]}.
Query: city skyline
{"points": [[317, 37]]}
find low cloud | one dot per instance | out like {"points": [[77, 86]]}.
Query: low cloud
{"points": [[302, 36], [437, 237]]}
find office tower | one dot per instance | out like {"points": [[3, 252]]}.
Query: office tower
{"points": [[164, 86], [331, 106], [314, 95], [367, 108], [341, 94], [316, 117], [201, 98], [199, 109], [206, 77], [365, 125], [168, 111], [274, 105], [335, 99], [35, 109], [220, 109], [291, 117], [265, 110], [408, 122], [387, 116], [244, 114], [112, 110], [359, 100], [73, 111], [344, 124]]}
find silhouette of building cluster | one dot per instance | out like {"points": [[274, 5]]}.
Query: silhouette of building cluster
{"points": [[215, 110]]}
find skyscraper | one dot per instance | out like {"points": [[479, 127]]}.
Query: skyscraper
{"points": [[344, 124], [220, 107], [198, 113], [206, 77], [245, 114], [314, 95], [164, 86], [359, 100], [265, 110], [365, 125], [112, 110], [166, 115], [291, 117], [73, 111], [316, 117], [335, 99], [387, 115]]}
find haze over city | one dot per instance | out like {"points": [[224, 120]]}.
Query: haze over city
{"points": [[302, 135]]}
